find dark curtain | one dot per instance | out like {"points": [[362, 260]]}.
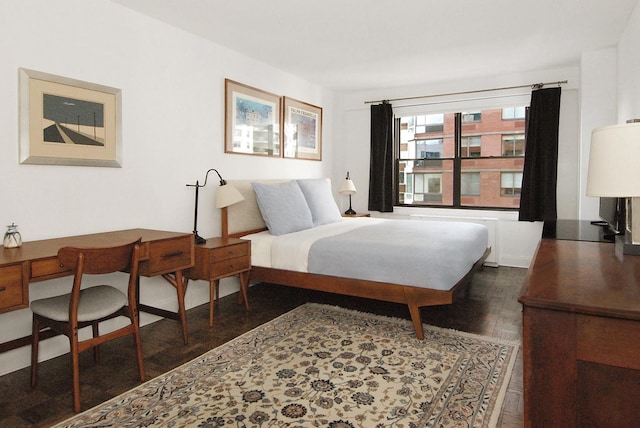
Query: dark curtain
{"points": [[382, 159], [538, 193]]}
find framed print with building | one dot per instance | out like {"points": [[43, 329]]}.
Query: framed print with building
{"points": [[252, 121], [302, 130], [68, 122]]}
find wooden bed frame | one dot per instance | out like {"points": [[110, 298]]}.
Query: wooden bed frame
{"points": [[244, 218]]}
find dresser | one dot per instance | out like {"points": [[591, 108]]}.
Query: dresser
{"points": [[581, 336]]}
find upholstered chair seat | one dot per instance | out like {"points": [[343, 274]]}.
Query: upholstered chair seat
{"points": [[95, 303]]}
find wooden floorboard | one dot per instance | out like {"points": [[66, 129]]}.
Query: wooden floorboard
{"points": [[489, 307]]}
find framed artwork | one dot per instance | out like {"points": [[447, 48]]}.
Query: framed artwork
{"points": [[252, 121], [68, 122], [302, 130]]}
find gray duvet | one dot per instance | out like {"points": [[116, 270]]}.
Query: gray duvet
{"points": [[430, 254]]}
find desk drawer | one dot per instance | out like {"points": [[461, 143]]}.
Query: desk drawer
{"points": [[223, 268], [169, 255], [229, 252], [12, 294], [45, 268]]}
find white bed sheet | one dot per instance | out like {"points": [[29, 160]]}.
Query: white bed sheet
{"points": [[291, 251]]}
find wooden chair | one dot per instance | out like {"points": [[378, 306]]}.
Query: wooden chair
{"points": [[68, 313]]}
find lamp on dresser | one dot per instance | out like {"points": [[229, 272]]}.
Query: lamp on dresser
{"points": [[227, 195], [348, 188], [614, 171]]}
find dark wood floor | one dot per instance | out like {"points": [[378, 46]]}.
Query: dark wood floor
{"points": [[489, 308]]}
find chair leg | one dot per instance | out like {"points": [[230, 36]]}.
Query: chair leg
{"points": [[75, 368], [96, 333], [35, 339], [138, 343]]}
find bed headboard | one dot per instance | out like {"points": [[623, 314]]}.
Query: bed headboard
{"points": [[245, 217]]}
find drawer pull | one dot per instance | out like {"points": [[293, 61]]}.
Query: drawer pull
{"points": [[171, 255], [3, 289]]}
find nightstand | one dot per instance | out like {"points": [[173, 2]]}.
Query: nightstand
{"points": [[357, 215], [221, 258]]}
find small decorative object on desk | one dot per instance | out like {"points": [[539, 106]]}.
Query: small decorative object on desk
{"points": [[12, 238]]}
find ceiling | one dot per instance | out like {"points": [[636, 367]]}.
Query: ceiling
{"points": [[367, 44]]}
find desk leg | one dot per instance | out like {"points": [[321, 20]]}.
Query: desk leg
{"points": [[180, 283]]}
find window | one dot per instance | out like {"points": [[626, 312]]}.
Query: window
{"points": [[471, 146], [470, 184], [513, 145], [511, 113], [475, 116], [472, 159], [510, 183]]}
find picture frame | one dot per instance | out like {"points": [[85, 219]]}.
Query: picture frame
{"points": [[64, 121], [252, 121], [302, 125]]}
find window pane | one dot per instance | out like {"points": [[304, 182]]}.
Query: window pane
{"points": [[491, 182], [429, 182]]}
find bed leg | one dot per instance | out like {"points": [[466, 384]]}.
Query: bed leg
{"points": [[414, 310]]}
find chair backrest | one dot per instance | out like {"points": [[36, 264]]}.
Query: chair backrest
{"points": [[101, 260]]}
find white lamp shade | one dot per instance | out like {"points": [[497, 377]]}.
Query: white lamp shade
{"points": [[347, 187], [614, 161], [227, 195]]}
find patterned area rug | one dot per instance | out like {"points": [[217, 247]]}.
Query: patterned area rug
{"points": [[323, 366]]}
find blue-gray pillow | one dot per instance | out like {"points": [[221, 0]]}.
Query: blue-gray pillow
{"points": [[317, 192], [283, 207]]}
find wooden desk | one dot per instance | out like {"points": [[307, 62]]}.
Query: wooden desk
{"points": [[162, 253], [581, 336]]}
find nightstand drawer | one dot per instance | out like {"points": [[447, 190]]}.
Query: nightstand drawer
{"points": [[11, 289], [229, 252], [222, 268]]}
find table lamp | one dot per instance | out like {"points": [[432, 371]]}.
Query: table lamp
{"points": [[227, 195], [348, 188], [614, 171]]}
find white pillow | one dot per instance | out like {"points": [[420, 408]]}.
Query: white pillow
{"points": [[317, 192], [283, 207]]}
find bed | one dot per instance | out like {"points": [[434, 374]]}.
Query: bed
{"points": [[299, 238]]}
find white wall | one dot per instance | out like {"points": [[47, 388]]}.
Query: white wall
{"points": [[629, 69], [172, 107], [599, 108]]}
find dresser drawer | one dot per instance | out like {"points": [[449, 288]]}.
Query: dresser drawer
{"points": [[168, 256], [223, 268], [12, 292], [229, 252]]}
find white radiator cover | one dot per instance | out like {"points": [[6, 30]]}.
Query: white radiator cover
{"points": [[489, 222]]}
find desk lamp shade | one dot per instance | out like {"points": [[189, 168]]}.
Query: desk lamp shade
{"points": [[348, 188], [614, 161]]}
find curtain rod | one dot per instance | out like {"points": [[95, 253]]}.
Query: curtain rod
{"points": [[532, 86]]}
